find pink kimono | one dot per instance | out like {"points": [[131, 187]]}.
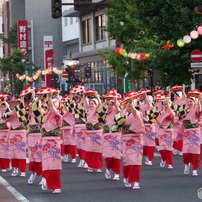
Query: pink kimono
{"points": [[4, 145], [17, 143], [68, 135], [51, 153], [149, 136], [192, 138], [132, 146], [34, 145], [166, 135], [93, 142], [178, 129], [112, 145]]}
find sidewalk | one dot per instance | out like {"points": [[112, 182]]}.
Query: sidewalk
{"points": [[6, 196], [6, 191]]}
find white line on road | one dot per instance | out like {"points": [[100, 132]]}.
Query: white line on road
{"points": [[16, 194]]}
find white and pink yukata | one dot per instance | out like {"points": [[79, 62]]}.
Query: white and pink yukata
{"points": [[18, 144], [51, 150], [34, 146], [192, 139], [178, 128], [166, 137], [132, 147], [93, 140], [150, 135], [68, 136], [4, 145], [111, 146]]}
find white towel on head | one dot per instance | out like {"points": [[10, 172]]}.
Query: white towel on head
{"points": [[179, 93], [95, 100]]}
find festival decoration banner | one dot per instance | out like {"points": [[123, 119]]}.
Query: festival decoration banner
{"points": [[39, 73]]}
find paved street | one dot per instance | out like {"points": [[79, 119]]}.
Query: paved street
{"points": [[157, 184]]}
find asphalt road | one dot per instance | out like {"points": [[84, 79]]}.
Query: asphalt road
{"points": [[157, 185]]}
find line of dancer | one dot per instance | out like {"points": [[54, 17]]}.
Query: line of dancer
{"points": [[86, 127]]}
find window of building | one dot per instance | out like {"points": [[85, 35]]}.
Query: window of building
{"points": [[86, 31], [66, 21], [100, 27], [71, 20]]}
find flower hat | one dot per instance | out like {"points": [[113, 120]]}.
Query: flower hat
{"points": [[176, 88], [26, 90]]}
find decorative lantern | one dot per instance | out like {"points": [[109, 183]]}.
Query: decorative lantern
{"points": [[125, 54], [118, 50], [194, 34], [180, 42], [187, 39], [122, 51], [199, 30]]}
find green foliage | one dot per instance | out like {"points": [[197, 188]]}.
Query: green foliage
{"points": [[13, 64], [145, 26], [12, 37]]}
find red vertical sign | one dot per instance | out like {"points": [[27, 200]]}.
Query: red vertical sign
{"points": [[22, 30], [48, 57]]}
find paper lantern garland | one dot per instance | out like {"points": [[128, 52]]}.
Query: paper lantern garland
{"points": [[134, 56], [39, 73]]}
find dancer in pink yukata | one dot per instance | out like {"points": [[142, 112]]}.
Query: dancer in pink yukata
{"points": [[111, 139], [5, 161], [51, 149], [166, 134], [132, 143], [33, 137], [179, 98], [16, 116], [149, 136], [94, 133], [192, 135], [68, 132]]}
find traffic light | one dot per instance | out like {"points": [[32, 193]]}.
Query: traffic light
{"points": [[56, 7], [88, 72]]}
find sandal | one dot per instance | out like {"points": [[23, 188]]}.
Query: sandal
{"points": [[14, 173], [43, 187], [23, 174], [31, 178], [162, 163], [125, 181], [57, 191], [116, 178], [108, 176], [136, 187], [90, 170]]}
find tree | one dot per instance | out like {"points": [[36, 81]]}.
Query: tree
{"points": [[129, 33], [146, 26], [12, 37], [171, 20], [13, 63]]}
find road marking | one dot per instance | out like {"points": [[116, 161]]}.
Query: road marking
{"points": [[16, 194]]}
